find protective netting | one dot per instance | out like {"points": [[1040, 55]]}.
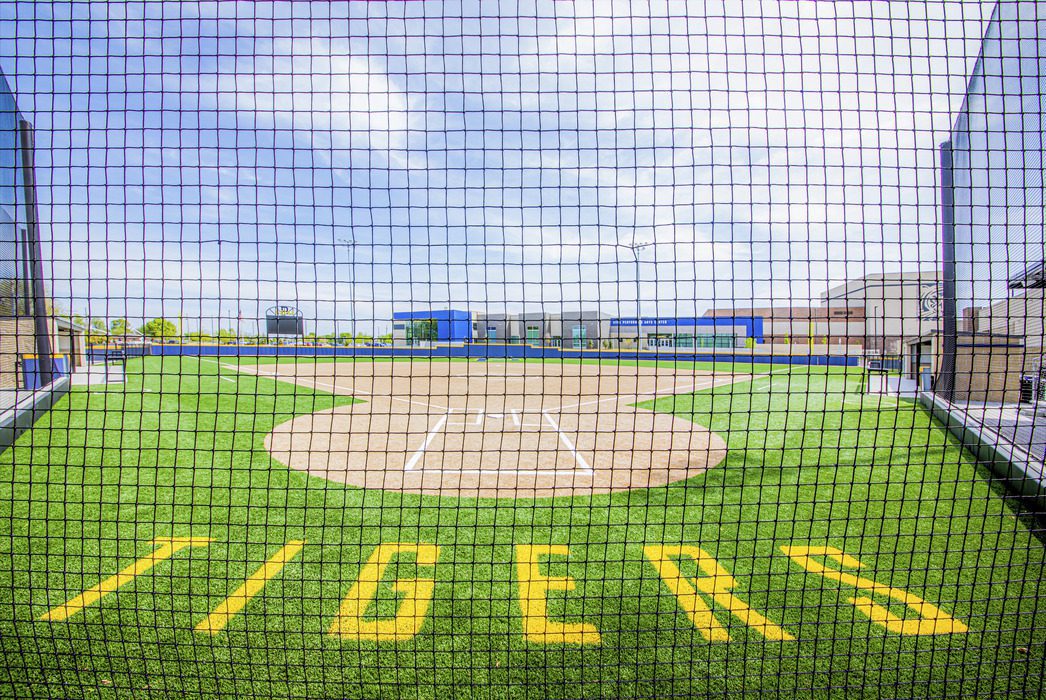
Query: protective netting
{"points": [[522, 349]]}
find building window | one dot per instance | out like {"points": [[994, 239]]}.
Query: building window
{"points": [[659, 340], [709, 340]]}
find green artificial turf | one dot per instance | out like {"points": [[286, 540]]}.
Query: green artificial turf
{"points": [[178, 450]]}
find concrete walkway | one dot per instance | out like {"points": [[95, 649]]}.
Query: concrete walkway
{"points": [[893, 386], [1024, 425], [98, 374]]}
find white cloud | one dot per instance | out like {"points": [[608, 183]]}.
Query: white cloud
{"points": [[336, 103]]}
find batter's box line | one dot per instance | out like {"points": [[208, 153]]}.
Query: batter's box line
{"points": [[518, 420], [579, 460]]}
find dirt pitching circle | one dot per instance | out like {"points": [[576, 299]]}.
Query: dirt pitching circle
{"points": [[495, 428]]}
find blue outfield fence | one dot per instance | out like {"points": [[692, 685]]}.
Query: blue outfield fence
{"points": [[94, 355], [499, 351]]}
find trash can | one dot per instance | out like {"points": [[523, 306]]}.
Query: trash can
{"points": [[31, 378]]}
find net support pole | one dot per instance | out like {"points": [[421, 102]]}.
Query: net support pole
{"points": [[946, 380], [42, 328]]}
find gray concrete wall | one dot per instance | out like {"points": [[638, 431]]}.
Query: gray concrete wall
{"points": [[29, 407]]}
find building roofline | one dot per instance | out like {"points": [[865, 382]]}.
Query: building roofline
{"points": [[896, 279], [70, 323], [1033, 277]]}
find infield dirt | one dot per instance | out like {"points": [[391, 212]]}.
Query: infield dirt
{"points": [[495, 429]]}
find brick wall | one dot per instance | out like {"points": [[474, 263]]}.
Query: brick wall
{"points": [[988, 373], [16, 338]]}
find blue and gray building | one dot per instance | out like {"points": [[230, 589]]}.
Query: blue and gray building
{"points": [[685, 332], [577, 329], [431, 326]]}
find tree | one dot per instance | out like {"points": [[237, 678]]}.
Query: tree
{"points": [[387, 338], [425, 330], [345, 338], [97, 333], [226, 335], [159, 329], [120, 326]]}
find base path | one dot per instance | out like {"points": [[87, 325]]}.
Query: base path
{"points": [[497, 429]]}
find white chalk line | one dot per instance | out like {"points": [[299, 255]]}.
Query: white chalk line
{"points": [[481, 423], [220, 366], [708, 382], [443, 422], [515, 471], [316, 384], [420, 452], [481, 414], [566, 441], [636, 397]]}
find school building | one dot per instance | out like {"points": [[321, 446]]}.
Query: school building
{"points": [[578, 329]]}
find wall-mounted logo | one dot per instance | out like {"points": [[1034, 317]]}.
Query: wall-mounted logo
{"points": [[930, 302]]}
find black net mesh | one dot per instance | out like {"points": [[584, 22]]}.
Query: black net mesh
{"points": [[521, 349]]}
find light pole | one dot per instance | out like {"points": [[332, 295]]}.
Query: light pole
{"points": [[351, 243], [634, 249]]}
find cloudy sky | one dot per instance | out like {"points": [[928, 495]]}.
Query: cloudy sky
{"points": [[216, 158]]}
